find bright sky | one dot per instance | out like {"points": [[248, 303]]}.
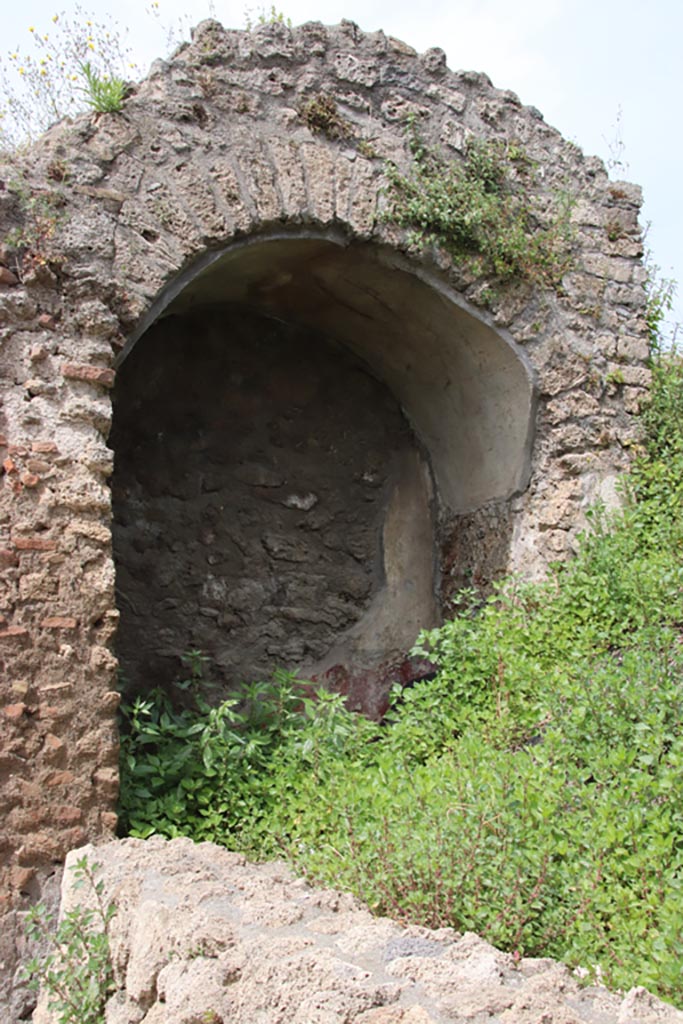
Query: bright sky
{"points": [[604, 72]]}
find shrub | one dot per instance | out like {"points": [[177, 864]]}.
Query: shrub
{"points": [[189, 768], [77, 972], [485, 209]]}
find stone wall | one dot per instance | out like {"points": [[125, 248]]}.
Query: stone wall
{"points": [[248, 496], [200, 934], [213, 186]]}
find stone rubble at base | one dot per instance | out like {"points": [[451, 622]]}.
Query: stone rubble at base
{"points": [[201, 935]]}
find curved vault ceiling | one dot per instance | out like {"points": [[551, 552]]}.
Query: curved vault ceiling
{"points": [[464, 386]]}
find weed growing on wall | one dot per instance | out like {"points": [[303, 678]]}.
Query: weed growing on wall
{"points": [[104, 94], [322, 116], [41, 215], [485, 210], [76, 972], [76, 61], [265, 16]]}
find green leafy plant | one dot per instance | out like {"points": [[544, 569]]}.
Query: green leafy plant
{"points": [[77, 971], [486, 210], [367, 149], [266, 16], [660, 299], [211, 1017], [103, 93], [41, 213], [190, 768], [77, 61]]}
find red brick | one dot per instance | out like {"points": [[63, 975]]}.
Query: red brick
{"points": [[67, 815], [63, 778], [20, 877], [27, 819], [20, 450], [74, 837], [12, 631], [48, 711], [59, 622], [53, 711], [8, 558], [7, 277], [29, 479], [44, 447], [90, 374], [9, 465], [41, 847], [34, 543], [47, 321], [14, 711]]}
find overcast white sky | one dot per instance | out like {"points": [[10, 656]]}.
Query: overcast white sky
{"points": [[581, 62]]}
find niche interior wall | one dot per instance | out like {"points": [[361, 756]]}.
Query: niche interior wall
{"points": [[314, 423]]}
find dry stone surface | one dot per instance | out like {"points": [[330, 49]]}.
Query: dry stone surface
{"points": [[202, 935]]}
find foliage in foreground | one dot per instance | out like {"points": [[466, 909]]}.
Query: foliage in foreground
{"points": [[532, 792], [190, 768], [77, 971]]}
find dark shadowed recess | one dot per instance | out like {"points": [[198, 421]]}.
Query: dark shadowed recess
{"points": [[316, 445], [253, 465]]}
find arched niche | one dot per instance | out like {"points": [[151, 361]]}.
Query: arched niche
{"points": [[295, 423], [464, 385]]}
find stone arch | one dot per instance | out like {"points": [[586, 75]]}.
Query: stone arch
{"points": [[466, 386], [216, 158], [465, 389]]}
